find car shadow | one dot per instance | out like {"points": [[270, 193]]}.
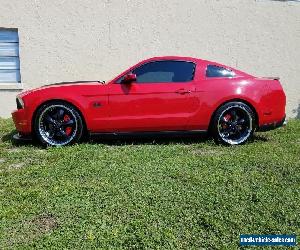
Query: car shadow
{"points": [[9, 138], [260, 137], [122, 140]]}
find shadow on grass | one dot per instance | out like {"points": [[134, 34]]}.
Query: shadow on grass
{"points": [[9, 138], [260, 137], [121, 140]]}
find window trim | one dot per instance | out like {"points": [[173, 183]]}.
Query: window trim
{"points": [[13, 85], [119, 81]]}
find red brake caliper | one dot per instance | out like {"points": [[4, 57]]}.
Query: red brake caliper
{"points": [[68, 129], [226, 119]]}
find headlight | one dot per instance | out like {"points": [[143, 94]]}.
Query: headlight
{"points": [[20, 103]]}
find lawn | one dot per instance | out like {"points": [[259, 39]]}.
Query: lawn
{"points": [[160, 193]]}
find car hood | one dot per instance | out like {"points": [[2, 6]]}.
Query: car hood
{"points": [[61, 84]]}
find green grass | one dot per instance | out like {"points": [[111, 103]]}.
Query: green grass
{"points": [[183, 193]]}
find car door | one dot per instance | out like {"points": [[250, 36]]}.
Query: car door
{"points": [[162, 98]]}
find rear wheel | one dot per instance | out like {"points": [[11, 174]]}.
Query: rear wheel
{"points": [[233, 123], [58, 124]]}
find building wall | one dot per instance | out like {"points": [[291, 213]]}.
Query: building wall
{"points": [[65, 40]]}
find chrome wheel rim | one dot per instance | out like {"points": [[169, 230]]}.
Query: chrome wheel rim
{"points": [[57, 125], [235, 125]]}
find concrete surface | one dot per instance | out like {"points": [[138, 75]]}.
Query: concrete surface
{"points": [[64, 40]]}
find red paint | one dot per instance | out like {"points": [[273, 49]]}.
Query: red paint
{"points": [[158, 106]]}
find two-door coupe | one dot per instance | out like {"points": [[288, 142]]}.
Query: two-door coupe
{"points": [[159, 95]]}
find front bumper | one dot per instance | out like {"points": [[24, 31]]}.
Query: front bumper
{"points": [[21, 121], [22, 138], [273, 125]]}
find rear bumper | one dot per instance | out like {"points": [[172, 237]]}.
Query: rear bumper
{"points": [[273, 125]]}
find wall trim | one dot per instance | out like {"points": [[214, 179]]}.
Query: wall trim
{"points": [[11, 86]]}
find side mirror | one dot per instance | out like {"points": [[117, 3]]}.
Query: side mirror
{"points": [[129, 78]]}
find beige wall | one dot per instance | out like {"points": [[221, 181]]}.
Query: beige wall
{"points": [[65, 40]]}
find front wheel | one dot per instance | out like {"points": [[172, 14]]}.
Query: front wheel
{"points": [[58, 124], [233, 123]]}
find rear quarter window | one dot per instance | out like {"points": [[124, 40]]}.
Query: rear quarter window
{"points": [[218, 71]]}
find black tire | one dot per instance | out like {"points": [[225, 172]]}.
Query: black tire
{"points": [[58, 123], [233, 124]]}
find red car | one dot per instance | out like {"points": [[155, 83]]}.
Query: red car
{"points": [[159, 95]]}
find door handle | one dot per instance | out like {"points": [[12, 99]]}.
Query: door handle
{"points": [[183, 91]]}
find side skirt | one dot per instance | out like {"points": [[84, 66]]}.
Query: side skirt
{"points": [[147, 134]]}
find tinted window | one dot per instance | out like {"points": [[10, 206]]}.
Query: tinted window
{"points": [[165, 71], [217, 71]]}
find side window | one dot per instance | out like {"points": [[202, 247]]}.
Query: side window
{"points": [[217, 71], [165, 71]]}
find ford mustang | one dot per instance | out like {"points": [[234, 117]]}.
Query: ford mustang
{"points": [[159, 95]]}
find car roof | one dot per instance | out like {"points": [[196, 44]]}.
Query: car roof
{"points": [[198, 61], [183, 58]]}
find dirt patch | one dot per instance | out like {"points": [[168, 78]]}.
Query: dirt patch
{"points": [[16, 166], [30, 230], [13, 150], [45, 223], [42, 151], [209, 152]]}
